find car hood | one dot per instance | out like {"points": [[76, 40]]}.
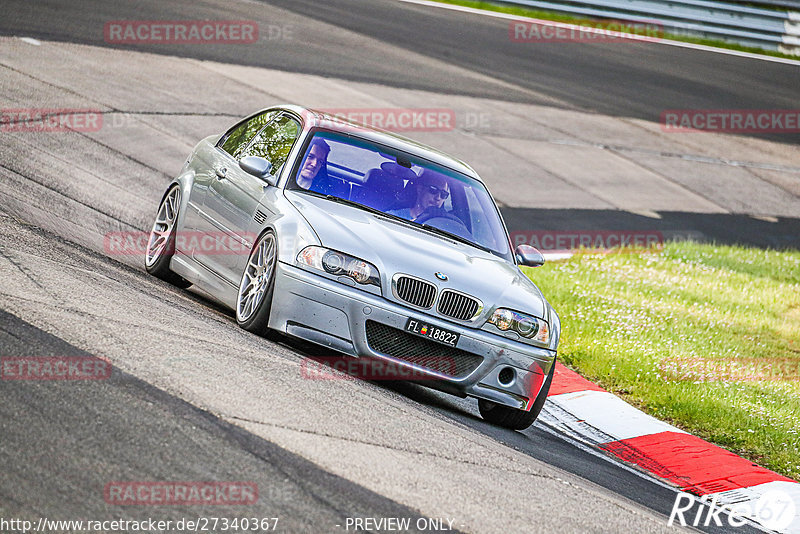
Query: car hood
{"points": [[396, 247]]}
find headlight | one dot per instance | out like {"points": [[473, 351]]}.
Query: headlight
{"points": [[339, 264], [526, 326]]}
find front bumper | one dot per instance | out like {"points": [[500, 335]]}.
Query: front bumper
{"points": [[334, 314]]}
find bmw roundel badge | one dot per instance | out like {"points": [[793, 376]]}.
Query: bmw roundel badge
{"points": [[441, 276]]}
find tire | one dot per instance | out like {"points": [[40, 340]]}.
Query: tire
{"points": [[512, 418], [254, 299], [161, 243]]}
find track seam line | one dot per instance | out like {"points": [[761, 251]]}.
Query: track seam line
{"points": [[383, 446], [61, 193]]}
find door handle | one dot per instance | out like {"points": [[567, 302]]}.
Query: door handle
{"points": [[221, 172]]}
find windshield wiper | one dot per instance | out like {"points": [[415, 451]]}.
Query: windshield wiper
{"points": [[375, 211], [457, 237], [364, 207], [429, 227], [353, 203]]}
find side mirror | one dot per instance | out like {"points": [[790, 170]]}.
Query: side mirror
{"points": [[258, 167], [528, 255]]}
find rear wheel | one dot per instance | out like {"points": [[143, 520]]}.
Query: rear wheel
{"points": [[254, 299], [161, 244], [512, 418]]}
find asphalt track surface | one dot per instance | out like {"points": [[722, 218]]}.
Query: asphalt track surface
{"points": [[162, 417], [404, 45], [64, 441], [328, 38], [58, 457]]}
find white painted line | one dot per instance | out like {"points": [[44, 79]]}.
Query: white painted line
{"points": [[552, 420], [634, 37], [777, 514], [550, 424], [570, 426], [31, 40], [610, 414]]}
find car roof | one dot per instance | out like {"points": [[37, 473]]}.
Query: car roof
{"points": [[320, 119]]}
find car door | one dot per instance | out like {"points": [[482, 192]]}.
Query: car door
{"points": [[233, 196], [206, 156]]}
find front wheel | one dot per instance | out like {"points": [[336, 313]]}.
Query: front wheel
{"points": [[254, 299], [161, 244], [511, 417]]}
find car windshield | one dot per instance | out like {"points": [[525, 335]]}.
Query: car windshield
{"points": [[402, 185]]}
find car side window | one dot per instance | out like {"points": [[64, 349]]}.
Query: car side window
{"points": [[275, 142], [236, 140]]}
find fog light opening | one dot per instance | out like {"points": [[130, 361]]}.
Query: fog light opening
{"points": [[506, 376]]}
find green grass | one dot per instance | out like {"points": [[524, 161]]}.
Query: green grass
{"points": [[561, 17], [658, 327]]}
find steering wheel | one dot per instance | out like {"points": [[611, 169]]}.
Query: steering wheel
{"points": [[447, 222]]}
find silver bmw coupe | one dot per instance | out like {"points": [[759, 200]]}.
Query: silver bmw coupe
{"points": [[367, 243]]}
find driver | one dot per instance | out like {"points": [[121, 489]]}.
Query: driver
{"points": [[432, 191], [313, 175]]}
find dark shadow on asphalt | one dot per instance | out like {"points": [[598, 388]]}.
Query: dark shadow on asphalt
{"points": [[557, 451], [725, 229], [64, 441], [536, 442]]}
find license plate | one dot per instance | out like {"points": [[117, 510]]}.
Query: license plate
{"points": [[434, 333]]}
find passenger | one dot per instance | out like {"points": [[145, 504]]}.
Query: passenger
{"points": [[432, 190], [313, 175]]}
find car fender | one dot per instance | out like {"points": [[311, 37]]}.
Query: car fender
{"points": [[293, 231]]}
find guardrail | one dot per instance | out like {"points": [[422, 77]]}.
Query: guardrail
{"points": [[749, 26], [773, 4]]}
